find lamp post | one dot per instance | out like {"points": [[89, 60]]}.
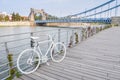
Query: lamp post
{"points": [[116, 8]]}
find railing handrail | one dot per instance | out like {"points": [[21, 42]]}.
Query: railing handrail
{"points": [[25, 33]]}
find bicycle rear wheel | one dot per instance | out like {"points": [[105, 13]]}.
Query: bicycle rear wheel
{"points": [[28, 61], [58, 52]]}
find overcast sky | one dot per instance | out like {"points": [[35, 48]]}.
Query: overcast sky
{"points": [[54, 7]]}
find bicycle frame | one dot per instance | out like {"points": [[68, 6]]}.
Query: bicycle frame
{"points": [[37, 47]]}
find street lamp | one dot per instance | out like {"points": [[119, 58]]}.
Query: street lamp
{"points": [[116, 8]]}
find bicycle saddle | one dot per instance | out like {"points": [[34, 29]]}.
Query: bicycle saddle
{"points": [[35, 38]]}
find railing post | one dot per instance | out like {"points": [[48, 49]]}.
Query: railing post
{"points": [[76, 38], [6, 48], [72, 37], [94, 30], [10, 61], [67, 39], [87, 33], [7, 51], [31, 41], [59, 30], [71, 40], [91, 31], [48, 42], [82, 34]]}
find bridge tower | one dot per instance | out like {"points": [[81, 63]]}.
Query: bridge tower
{"points": [[31, 15], [35, 11], [44, 15]]}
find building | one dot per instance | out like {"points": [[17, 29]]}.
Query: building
{"points": [[24, 18], [3, 14]]}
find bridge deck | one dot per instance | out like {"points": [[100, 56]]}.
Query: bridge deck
{"points": [[97, 58]]}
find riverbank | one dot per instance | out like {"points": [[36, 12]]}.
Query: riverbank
{"points": [[16, 23], [72, 24]]}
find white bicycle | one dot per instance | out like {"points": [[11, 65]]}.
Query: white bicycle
{"points": [[29, 60]]}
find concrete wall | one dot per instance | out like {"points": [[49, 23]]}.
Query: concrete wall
{"points": [[20, 23], [116, 20]]}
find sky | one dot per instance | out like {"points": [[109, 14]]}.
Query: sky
{"points": [[55, 7]]}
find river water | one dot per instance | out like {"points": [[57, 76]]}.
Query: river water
{"points": [[21, 29]]}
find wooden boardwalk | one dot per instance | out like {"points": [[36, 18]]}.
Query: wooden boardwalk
{"points": [[97, 58]]}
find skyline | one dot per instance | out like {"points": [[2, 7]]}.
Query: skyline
{"points": [[55, 7]]}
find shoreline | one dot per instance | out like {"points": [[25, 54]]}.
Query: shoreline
{"points": [[15, 23], [56, 25]]}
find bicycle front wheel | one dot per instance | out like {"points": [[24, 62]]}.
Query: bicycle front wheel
{"points": [[58, 52], [28, 61]]}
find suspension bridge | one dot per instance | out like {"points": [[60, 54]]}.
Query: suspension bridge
{"points": [[98, 14], [92, 54]]}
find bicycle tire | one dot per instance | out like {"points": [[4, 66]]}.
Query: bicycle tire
{"points": [[56, 53], [24, 53]]}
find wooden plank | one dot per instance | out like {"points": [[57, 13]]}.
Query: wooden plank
{"points": [[51, 74], [63, 69], [17, 78], [113, 61], [26, 77], [36, 77], [78, 69], [97, 54], [61, 73], [44, 76], [91, 63], [111, 73], [85, 71]]}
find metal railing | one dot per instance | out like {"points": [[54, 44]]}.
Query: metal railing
{"points": [[12, 47]]}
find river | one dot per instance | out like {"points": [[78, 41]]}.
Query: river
{"points": [[22, 29]]}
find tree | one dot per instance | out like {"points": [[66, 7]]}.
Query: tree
{"points": [[13, 16], [38, 17], [17, 17], [6, 18], [22, 18], [1, 18]]}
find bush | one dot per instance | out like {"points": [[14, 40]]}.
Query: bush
{"points": [[18, 74], [76, 38], [13, 71], [116, 25]]}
